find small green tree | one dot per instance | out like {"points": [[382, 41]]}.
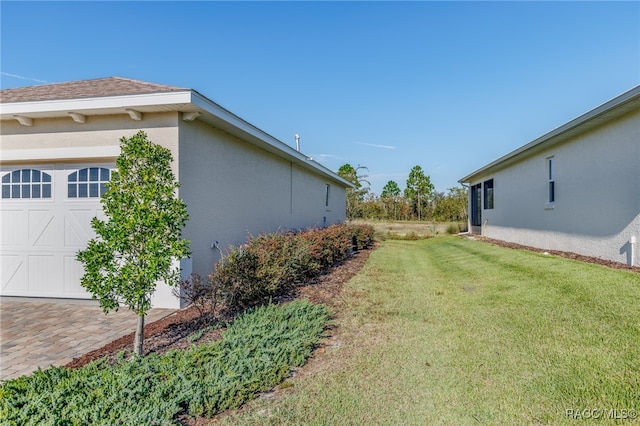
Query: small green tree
{"points": [[451, 207], [419, 190], [355, 196], [137, 244], [390, 190], [390, 198]]}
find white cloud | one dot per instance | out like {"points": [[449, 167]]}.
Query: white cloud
{"points": [[376, 145], [320, 157], [21, 77]]}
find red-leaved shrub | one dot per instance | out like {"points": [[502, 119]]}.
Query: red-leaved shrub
{"points": [[268, 264]]}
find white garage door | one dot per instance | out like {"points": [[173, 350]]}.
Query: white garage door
{"points": [[46, 214]]}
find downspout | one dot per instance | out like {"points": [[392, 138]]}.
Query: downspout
{"points": [[632, 243]]}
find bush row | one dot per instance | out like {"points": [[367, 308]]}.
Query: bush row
{"points": [[255, 354], [268, 264], [271, 263]]}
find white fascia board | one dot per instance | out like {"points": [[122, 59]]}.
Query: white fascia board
{"points": [[609, 110], [243, 126], [60, 153], [233, 123], [263, 139], [8, 110]]}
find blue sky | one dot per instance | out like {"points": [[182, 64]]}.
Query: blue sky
{"points": [[449, 86]]}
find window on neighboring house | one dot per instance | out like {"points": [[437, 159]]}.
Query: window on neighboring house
{"points": [[488, 194], [326, 195], [26, 183], [89, 182], [552, 181]]}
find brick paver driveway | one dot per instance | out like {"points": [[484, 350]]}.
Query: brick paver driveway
{"points": [[40, 332]]}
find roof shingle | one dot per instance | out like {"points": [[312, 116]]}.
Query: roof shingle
{"points": [[97, 88]]}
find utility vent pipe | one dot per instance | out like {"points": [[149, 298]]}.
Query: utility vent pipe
{"points": [[297, 142]]}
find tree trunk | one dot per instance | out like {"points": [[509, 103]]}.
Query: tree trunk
{"points": [[139, 339]]}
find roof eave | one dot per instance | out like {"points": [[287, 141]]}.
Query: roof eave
{"points": [[182, 101], [616, 107], [99, 105], [225, 120]]}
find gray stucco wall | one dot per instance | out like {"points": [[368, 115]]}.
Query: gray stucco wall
{"points": [[234, 190], [597, 195]]}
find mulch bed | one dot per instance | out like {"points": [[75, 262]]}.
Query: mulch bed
{"points": [[174, 331]]}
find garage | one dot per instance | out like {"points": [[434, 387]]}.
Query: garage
{"points": [[45, 219], [59, 142]]}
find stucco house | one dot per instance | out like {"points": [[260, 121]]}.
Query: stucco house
{"points": [[59, 143], [576, 188]]}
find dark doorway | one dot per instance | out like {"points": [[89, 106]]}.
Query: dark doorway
{"points": [[476, 205]]}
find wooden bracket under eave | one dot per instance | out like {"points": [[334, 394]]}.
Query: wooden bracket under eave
{"points": [[25, 121], [190, 116], [77, 117], [135, 115]]}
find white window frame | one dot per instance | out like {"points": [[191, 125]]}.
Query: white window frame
{"points": [[551, 181], [10, 170], [70, 170]]}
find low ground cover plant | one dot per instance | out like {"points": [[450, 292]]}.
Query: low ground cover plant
{"points": [[256, 352]]}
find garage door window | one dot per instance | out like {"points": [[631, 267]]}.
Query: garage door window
{"points": [[26, 184], [88, 183]]}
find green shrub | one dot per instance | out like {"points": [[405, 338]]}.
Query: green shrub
{"points": [[453, 228], [268, 264], [255, 354], [456, 228], [201, 293], [364, 236]]}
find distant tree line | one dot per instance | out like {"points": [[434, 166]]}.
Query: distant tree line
{"points": [[418, 201]]}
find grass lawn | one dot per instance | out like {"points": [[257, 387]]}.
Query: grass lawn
{"points": [[455, 331]]}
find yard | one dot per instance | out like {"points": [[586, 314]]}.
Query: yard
{"points": [[455, 331], [443, 330]]}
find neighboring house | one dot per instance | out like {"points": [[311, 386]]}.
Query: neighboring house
{"points": [[59, 143], [575, 189]]}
